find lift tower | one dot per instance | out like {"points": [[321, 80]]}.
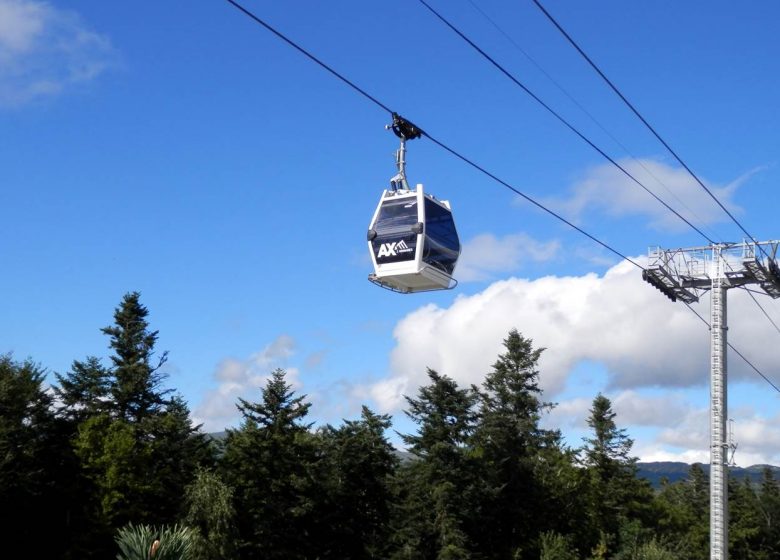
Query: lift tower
{"points": [[684, 274]]}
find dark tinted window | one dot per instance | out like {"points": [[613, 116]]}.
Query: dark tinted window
{"points": [[396, 215], [442, 246]]}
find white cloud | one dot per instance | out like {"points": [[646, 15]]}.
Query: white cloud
{"points": [[616, 320], [485, 255], [572, 413], [635, 409], [757, 440], [45, 50], [607, 189], [243, 378]]}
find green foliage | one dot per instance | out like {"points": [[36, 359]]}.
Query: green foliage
{"points": [[25, 417], [136, 390], [144, 542], [438, 506], [270, 461], [211, 515], [516, 504], [135, 446], [684, 515], [355, 473], [35, 464], [556, 547], [83, 392], [113, 460], [486, 480], [655, 551], [617, 498]]}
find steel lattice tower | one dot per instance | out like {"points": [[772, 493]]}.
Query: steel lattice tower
{"points": [[683, 274]]}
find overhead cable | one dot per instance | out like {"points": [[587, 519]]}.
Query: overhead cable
{"points": [[641, 118], [582, 108], [560, 118], [434, 140], [737, 352], [463, 158], [666, 145]]}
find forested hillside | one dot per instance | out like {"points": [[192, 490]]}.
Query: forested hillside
{"points": [[109, 461]]}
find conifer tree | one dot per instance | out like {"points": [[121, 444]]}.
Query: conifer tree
{"points": [[359, 463], [511, 442], [617, 496], [684, 514], [35, 490], [268, 461], [436, 516], [137, 388], [135, 441], [84, 391], [769, 503]]}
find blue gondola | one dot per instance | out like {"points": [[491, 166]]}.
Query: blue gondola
{"points": [[412, 239]]}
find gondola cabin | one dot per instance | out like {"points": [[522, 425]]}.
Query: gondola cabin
{"points": [[413, 242]]}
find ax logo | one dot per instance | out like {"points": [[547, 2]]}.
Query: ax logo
{"points": [[393, 249]]}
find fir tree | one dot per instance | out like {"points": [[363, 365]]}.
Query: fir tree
{"points": [[137, 388], [436, 515], [511, 443], [617, 497], [268, 461], [36, 489], [359, 462], [84, 391]]}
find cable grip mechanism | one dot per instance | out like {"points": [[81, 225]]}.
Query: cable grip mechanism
{"points": [[405, 130]]}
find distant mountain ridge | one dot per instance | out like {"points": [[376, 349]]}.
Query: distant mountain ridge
{"points": [[673, 471], [655, 472]]}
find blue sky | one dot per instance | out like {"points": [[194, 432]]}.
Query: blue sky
{"points": [[181, 150]]}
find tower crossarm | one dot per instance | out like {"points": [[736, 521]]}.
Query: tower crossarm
{"points": [[663, 280], [765, 275]]}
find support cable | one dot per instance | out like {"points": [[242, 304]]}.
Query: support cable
{"points": [[644, 121], [557, 115], [761, 307], [636, 112], [310, 56], [434, 140], [737, 352], [585, 111], [466, 160]]}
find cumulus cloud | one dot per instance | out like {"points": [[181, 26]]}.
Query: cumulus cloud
{"points": [[244, 379], [45, 50], [635, 409], [569, 414], [758, 440], [607, 189], [485, 255], [666, 427], [615, 320]]}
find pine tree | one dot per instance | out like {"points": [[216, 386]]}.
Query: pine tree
{"points": [[268, 461], [617, 497], [135, 441], [178, 449], [745, 521], [137, 389], [435, 516], [511, 442], [35, 486], [769, 502], [84, 391], [684, 515], [358, 466]]}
